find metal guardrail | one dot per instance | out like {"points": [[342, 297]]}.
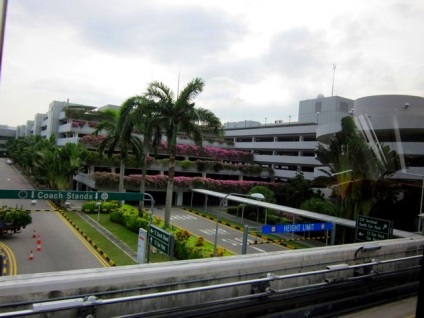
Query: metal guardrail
{"points": [[369, 270]]}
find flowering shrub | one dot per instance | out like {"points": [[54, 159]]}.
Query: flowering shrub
{"points": [[78, 123], [92, 140], [108, 180], [209, 152]]}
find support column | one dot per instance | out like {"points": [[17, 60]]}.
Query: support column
{"points": [[206, 203], [179, 198]]}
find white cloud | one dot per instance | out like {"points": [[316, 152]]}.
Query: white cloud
{"points": [[258, 58]]}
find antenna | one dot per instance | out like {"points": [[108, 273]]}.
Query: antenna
{"points": [[334, 72], [178, 85]]}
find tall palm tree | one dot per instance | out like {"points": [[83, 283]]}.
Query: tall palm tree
{"points": [[141, 111], [179, 114], [119, 136]]}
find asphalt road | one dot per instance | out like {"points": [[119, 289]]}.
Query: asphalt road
{"points": [[61, 247], [228, 238]]}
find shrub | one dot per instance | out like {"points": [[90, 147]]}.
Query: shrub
{"points": [[105, 207], [186, 164]]}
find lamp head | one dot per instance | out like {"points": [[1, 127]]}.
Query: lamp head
{"points": [[257, 196]]}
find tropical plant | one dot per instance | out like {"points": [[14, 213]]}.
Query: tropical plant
{"points": [[138, 112], [58, 165], [357, 172], [119, 136], [179, 114]]}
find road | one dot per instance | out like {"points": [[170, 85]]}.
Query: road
{"points": [[228, 238], [61, 247]]}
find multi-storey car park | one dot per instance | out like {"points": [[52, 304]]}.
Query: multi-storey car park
{"points": [[280, 148]]}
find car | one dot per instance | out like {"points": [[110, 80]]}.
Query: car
{"points": [[9, 161]]}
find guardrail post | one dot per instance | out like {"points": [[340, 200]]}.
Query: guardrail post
{"points": [[420, 300], [245, 235]]}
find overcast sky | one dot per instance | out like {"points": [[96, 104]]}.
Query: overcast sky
{"points": [[258, 58]]}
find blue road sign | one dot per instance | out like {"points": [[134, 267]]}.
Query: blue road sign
{"points": [[290, 228]]}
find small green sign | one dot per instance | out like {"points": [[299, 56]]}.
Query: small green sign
{"points": [[372, 229], [70, 195], [161, 239]]}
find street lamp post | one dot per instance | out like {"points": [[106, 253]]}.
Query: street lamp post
{"points": [[152, 208], [258, 196], [98, 204]]}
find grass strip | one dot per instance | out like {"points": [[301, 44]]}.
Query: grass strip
{"points": [[110, 249], [128, 237]]}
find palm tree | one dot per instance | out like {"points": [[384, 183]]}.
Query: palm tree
{"points": [[177, 115], [119, 136], [140, 111], [59, 165], [357, 171]]}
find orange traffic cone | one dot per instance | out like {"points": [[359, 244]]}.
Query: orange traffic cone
{"points": [[39, 243], [31, 255], [34, 235]]}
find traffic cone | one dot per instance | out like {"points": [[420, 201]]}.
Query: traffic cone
{"points": [[39, 243], [34, 234], [31, 255]]}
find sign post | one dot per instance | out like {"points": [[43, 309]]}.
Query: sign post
{"points": [[372, 229], [161, 240], [141, 246]]}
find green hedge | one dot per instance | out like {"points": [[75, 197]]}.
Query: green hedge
{"points": [[186, 246]]}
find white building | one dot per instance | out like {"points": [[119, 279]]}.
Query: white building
{"points": [[395, 120]]}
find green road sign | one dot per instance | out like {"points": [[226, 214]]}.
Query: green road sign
{"points": [[372, 229], [161, 239], [70, 195]]}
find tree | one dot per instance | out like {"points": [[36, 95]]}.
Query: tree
{"points": [[119, 137], [297, 190], [177, 115], [58, 165], [140, 111], [358, 171]]}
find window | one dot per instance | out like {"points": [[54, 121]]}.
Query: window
{"points": [[318, 106]]}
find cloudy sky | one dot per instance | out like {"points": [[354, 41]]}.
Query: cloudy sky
{"points": [[257, 58]]}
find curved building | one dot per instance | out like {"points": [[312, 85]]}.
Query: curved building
{"points": [[393, 120]]}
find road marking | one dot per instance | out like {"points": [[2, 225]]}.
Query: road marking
{"points": [[183, 217], [258, 249], [10, 257], [211, 232], [232, 242]]}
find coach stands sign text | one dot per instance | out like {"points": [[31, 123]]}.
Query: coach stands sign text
{"points": [[70, 195]]}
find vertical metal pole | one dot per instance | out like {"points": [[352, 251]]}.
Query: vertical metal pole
{"points": [[333, 235], [215, 245], [266, 214], [2, 30], [152, 208], [191, 201], [421, 206], [206, 203], [420, 300], [245, 236]]}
